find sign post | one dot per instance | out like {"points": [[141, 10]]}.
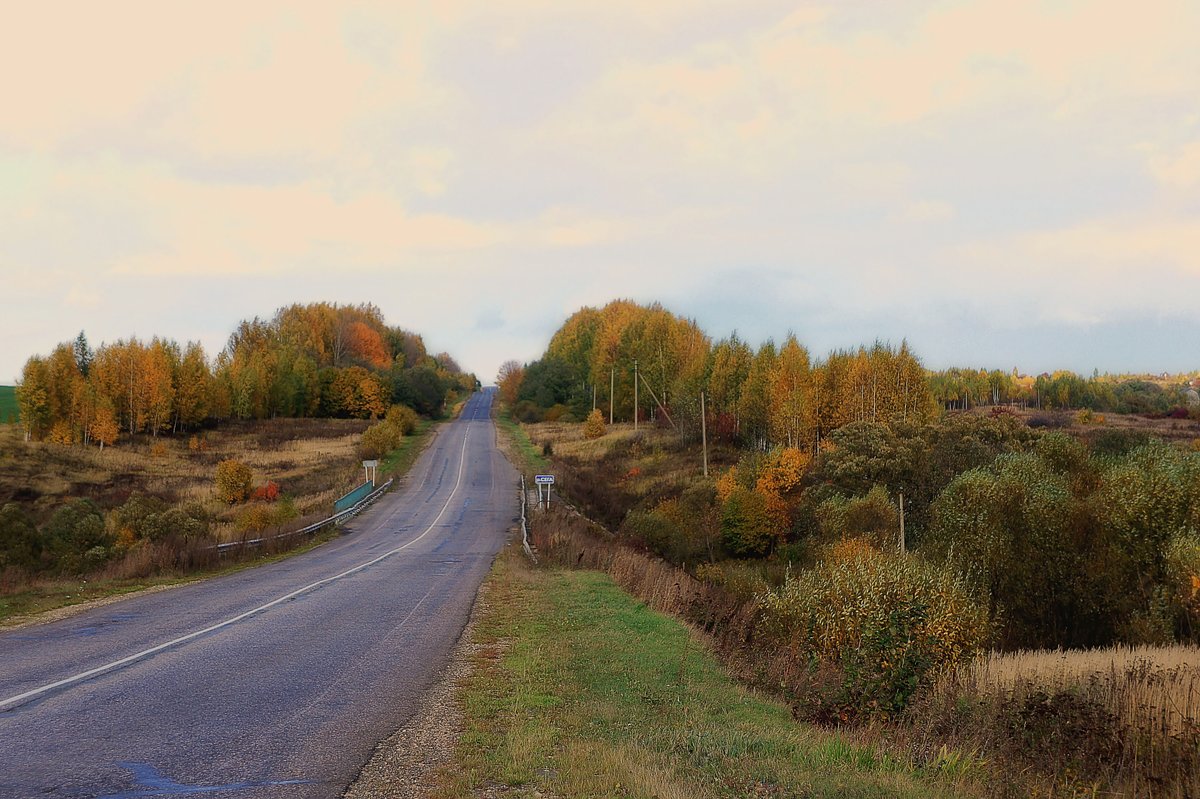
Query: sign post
{"points": [[369, 471], [546, 480]]}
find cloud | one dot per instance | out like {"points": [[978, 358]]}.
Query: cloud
{"points": [[848, 170], [1095, 272], [926, 211], [1180, 170]]}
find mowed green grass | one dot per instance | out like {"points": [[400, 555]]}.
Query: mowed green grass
{"points": [[8, 404], [579, 690]]}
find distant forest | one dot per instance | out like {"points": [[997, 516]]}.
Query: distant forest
{"points": [[315, 360]]}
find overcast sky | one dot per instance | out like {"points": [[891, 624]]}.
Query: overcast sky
{"points": [[1004, 183]]}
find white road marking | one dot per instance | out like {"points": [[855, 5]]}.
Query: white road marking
{"points": [[13, 701]]}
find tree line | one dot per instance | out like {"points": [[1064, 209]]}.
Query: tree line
{"points": [[316, 360], [764, 397], [965, 388]]}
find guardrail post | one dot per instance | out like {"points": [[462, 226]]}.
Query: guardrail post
{"points": [[524, 523]]}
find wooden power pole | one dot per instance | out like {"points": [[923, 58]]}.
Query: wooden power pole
{"points": [[612, 385], [635, 395]]}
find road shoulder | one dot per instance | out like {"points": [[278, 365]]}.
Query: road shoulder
{"points": [[405, 766]]}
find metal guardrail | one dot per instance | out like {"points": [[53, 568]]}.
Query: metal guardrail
{"points": [[525, 523], [336, 518]]}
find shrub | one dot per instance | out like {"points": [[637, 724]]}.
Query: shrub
{"points": [[886, 623], [189, 522], [233, 481], [402, 418], [594, 427], [378, 440], [20, 546], [557, 413], [268, 492], [255, 517], [144, 518], [258, 516], [1046, 421], [140, 518], [1118, 443], [76, 537], [874, 516], [527, 412], [748, 528], [742, 579]]}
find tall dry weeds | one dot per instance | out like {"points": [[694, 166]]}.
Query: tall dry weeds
{"points": [[1124, 717]]}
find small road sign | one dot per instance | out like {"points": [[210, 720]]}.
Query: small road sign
{"points": [[544, 479]]}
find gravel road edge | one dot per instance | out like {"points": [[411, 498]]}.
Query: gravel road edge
{"points": [[404, 766]]}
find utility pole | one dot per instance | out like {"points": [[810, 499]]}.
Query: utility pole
{"points": [[704, 433], [612, 384], [635, 395], [903, 547]]}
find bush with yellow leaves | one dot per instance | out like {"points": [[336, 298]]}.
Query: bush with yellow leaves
{"points": [[233, 480], [886, 623], [594, 426]]}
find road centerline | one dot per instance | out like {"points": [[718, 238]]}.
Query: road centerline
{"points": [[13, 702]]}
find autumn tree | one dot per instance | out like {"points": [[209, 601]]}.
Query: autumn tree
{"points": [[83, 353], [790, 416], [594, 426], [508, 379], [754, 403], [33, 398], [232, 480], [192, 392], [157, 384], [105, 428], [729, 370], [365, 345]]}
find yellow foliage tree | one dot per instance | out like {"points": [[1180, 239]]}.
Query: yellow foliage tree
{"points": [[61, 433], [509, 381], [594, 427], [105, 428], [727, 483], [233, 480]]}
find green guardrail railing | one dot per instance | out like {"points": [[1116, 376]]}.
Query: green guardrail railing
{"points": [[353, 498]]}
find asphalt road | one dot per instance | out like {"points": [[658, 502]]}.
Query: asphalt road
{"points": [[288, 701]]}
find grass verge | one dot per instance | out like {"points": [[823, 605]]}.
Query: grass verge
{"points": [[579, 690], [527, 457], [400, 460]]}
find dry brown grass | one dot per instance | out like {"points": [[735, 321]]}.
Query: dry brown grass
{"points": [[1122, 721], [1153, 689], [608, 476], [314, 461]]}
